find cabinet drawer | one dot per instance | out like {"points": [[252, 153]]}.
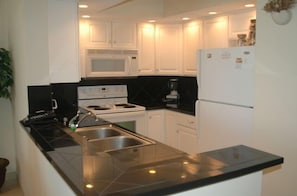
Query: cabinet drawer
{"points": [[186, 120]]}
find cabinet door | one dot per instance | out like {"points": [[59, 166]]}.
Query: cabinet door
{"points": [[215, 32], [106, 34], [124, 35], [187, 133], [99, 34], [155, 125], [191, 44], [187, 139], [146, 46], [171, 137], [169, 49], [63, 41]]}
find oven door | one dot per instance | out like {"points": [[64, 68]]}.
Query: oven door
{"points": [[133, 121]]}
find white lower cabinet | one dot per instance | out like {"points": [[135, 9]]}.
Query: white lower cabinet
{"points": [[171, 138], [181, 132], [155, 125], [187, 139], [175, 129]]}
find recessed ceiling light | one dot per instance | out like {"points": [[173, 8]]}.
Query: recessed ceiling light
{"points": [[89, 186], [86, 16], [83, 6], [152, 171], [151, 20], [185, 18], [249, 5], [212, 13]]}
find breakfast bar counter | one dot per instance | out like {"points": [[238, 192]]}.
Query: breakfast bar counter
{"points": [[154, 169]]}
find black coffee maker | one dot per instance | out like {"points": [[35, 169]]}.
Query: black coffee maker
{"points": [[172, 99]]}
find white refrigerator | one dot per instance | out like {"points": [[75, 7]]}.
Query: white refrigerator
{"points": [[224, 109]]}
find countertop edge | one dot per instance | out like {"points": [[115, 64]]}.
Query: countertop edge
{"points": [[268, 160], [219, 178]]}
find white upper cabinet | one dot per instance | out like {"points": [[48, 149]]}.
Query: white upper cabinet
{"points": [[102, 34], [215, 32], [169, 49], [160, 49], [146, 40], [192, 42], [124, 35], [63, 41], [99, 34]]}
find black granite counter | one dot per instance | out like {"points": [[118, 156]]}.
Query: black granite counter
{"points": [[155, 169], [186, 109]]}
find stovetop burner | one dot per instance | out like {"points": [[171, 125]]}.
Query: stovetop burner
{"points": [[125, 105], [121, 104], [97, 107], [106, 99]]}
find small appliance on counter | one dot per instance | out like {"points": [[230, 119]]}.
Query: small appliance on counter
{"points": [[172, 99]]}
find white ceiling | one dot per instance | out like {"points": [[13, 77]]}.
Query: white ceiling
{"points": [[165, 10]]}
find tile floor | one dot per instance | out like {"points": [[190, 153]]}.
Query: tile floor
{"points": [[11, 187]]}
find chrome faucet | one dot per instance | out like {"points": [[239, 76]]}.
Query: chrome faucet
{"points": [[79, 117]]}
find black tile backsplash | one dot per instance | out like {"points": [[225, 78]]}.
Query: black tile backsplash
{"points": [[150, 90], [143, 90], [39, 98], [66, 96]]}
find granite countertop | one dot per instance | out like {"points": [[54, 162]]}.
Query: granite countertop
{"points": [[186, 109], [154, 169]]}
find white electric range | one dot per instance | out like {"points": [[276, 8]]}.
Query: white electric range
{"points": [[110, 102]]}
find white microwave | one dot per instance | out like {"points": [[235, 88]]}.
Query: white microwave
{"points": [[111, 63]]}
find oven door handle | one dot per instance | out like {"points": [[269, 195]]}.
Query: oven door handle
{"points": [[122, 114]]}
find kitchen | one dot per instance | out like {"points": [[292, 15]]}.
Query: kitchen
{"points": [[262, 14]]}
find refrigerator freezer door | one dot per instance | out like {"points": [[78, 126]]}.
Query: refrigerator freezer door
{"points": [[221, 125], [226, 75]]}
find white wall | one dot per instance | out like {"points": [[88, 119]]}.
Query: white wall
{"points": [[27, 41], [3, 24], [276, 99], [7, 139]]}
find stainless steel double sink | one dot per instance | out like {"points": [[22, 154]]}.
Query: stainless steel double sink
{"points": [[109, 137]]}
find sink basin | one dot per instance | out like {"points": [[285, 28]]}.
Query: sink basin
{"points": [[109, 137], [98, 132], [115, 143]]}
